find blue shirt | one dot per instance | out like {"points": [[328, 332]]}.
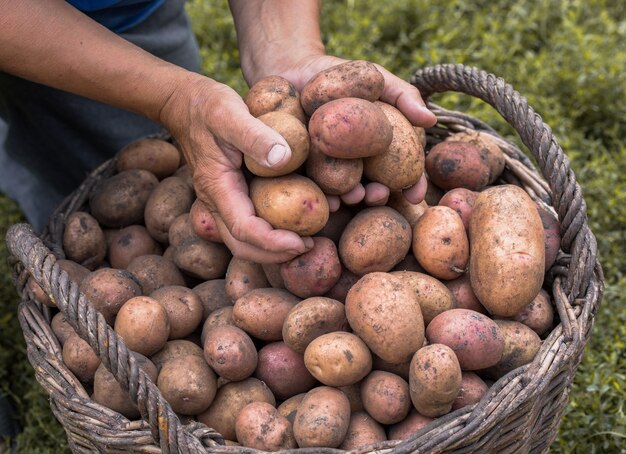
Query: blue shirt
{"points": [[117, 15]]}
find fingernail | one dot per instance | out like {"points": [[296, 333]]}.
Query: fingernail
{"points": [[276, 154]]}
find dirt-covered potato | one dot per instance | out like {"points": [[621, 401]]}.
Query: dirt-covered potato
{"points": [[262, 312], [322, 419], [463, 294], [143, 324], [108, 289], [376, 239], [473, 388], [202, 259], [230, 352], [385, 313], [291, 202], [411, 424], [433, 296], [188, 384], [155, 271], [507, 257], [120, 200], [362, 431], [180, 230], [399, 369], [61, 327], [350, 128], [260, 426], [184, 309], [219, 317], [460, 200], [274, 93], [75, 272], [83, 240], [174, 349], [212, 294], [130, 242], [402, 164], [311, 318], [489, 150], [551, 233], [155, 155], [171, 198], [440, 243], [411, 211], [242, 276], [338, 358], [356, 79], [458, 165], [434, 380], [386, 397], [290, 406], [80, 358], [334, 176], [538, 315]]}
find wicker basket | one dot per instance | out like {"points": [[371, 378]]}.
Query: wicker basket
{"points": [[520, 413]]}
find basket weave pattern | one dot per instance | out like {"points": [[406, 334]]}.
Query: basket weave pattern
{"points": [[520, 413]]}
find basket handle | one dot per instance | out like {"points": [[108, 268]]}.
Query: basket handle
{"points": [[576, 237]]}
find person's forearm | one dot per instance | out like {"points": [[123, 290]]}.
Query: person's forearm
{"points": [[274, 35], [54, 44]]}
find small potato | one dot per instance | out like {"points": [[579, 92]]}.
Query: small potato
{"points": [[230, 399], [108, 289], [154, 271], [349, 128], [433, 296], [61, 327], [402, 164], [155, 155], [290, 202], [80, 358], [174, 349], [385, 313], [440, 243], [262, 312], [130, 242], [411, 212], [338, 359], [143, 324], [315, 272], [83, 240], [386, 397], [180, 230], [552, 234], [272, 273], [340, 290], [219, 317], [171, 198], [283, 370], [362, 431], [464, 296], [39, 294], [334, 176], [460, 200], [489, 149], [311, 318], [212, 294], [230, 352], [184, 309], [203, 222], [475, 338], [188, 384], [473, 388], [376, 239], [404, 429], [260, 426], [435, 380], [357, 79], [274, 93], [458, 165], [297, 137], [290, 406], [242, 276], [322, 419], [538, 315], [120, 200], [202, 259]]}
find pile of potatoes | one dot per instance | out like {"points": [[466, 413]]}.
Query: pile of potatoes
{"points": [[399, 314]]}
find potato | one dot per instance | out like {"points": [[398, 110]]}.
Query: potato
{"points": [[343, 285], [130, 242], [83, 240], [473, 388], [440, 243], [353, 393], [460, 200], [171, 198], [376, 239], [322, 419], [411, 212], [409, 263], [61, 327], [174, 349], [464, 297], [521, 344], [183, 307], [143, 324], [219, 317], [212, 294], [434, 380], [262, 312], [37, 293], [314, 272], [230, 399], [188, 384], [399, 369], [334, 176], [552, 234], [385, 313], [203, 222], [202, 259], [349, 128], [290, 202], [290, 406], [474, 337], [274, 93], [272, 273], [538, 315], [155, 155], [260, 426], [385, 397], [80, 358], [120, 200], [338, 359], [362, 431], [489, 150], [507, 257], [404, 429], [184, 173], [180, 230], [75, 273], [154, 271], [242, 276], [458, 165], [108, 289], [356, 79], [283, 370], [433, 296], [311, 318], [402, 164], [297, 137], [230, 352]]}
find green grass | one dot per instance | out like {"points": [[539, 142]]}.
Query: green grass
{"points": [[566, 57]]}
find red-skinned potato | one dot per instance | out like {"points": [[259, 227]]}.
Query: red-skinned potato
{"points": [[203, 222], [473, 388], [538, 315], [552, 234], [404, 429], [489, 150], [230, 352], [386, 397], [334, 176], [457, 165], [260, 426], [460, 200], [322, 419], [464, 297]]}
